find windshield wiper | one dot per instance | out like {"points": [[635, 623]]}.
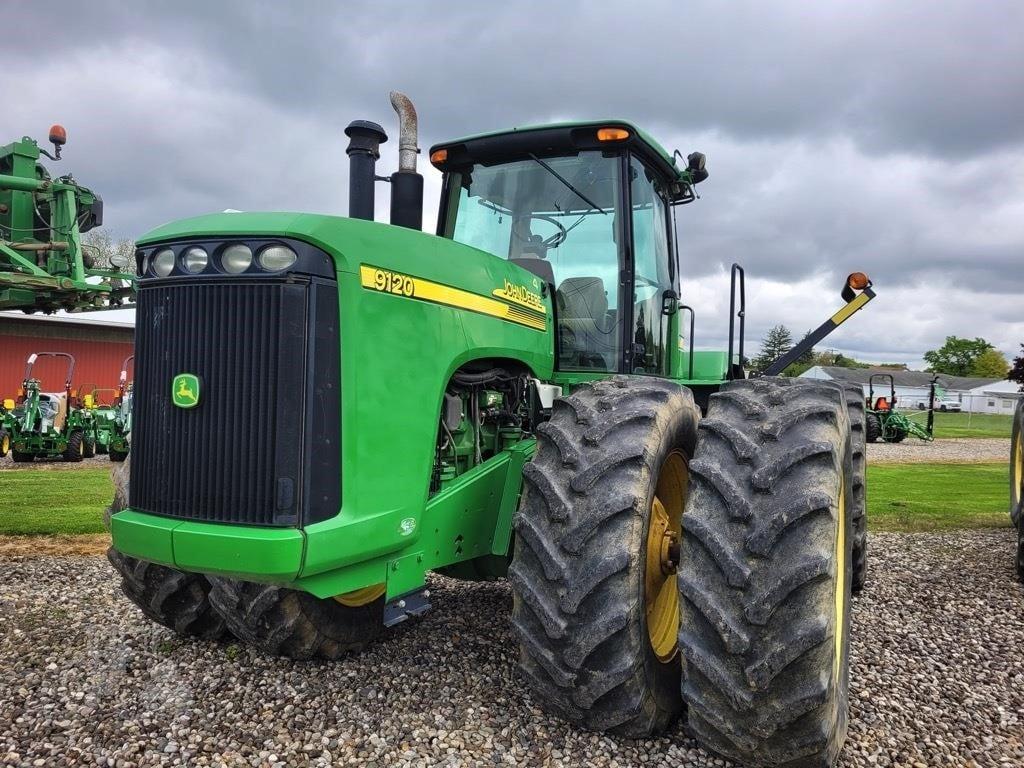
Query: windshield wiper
{"points": [[562, 179]]}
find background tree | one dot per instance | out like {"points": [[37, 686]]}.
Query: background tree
{"points": [[777, 342], [805, 361], [957, 356], [990, 364], [1017, 371]]}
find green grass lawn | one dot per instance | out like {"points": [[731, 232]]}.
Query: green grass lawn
{"points": [[930, 497], [54, 501], [981, 424], [901, 497]]}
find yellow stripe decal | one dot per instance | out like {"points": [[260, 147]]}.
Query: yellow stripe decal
{"points": [[844, 314], [407, 286]]}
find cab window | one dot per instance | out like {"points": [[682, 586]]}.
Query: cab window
{"points": [[558, 218], [649, 216]]}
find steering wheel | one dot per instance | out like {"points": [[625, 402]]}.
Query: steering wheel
{"points": [[553, 241]]}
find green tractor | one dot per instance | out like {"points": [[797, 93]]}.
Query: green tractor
{"points": [[120, 434], [49, 424], [883, 422], [102, 405], [332, 408]]}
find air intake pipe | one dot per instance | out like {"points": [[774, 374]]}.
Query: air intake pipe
{"points": [[363, 152], [406, 184]]}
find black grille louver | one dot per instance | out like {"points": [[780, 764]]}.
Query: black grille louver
{"points": [[265, 351]]}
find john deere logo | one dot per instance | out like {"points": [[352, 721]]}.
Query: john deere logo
{"points": [[185, 390]]}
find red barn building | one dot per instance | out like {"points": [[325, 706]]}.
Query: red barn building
{"points": [[99, 348]]}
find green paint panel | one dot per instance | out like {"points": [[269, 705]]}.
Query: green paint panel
{"points": [[143, 536], [212, 548]]}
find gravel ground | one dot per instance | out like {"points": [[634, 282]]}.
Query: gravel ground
{"points": [[938, 678], [958, 450]]}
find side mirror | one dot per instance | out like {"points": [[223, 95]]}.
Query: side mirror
{"points": [[669, 302]]}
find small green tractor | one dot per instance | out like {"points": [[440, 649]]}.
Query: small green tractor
{"points": [[1017, 483], [332, 408], [121, 428], [50, 424], [101, 403], [44, 266], [883, 422]]}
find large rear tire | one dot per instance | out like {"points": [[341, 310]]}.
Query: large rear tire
{"points": [[872, 428], [595, 606], [75, 450], [173, 598], [765, 574], [288, 622], [858, 496], [1017, 484]]}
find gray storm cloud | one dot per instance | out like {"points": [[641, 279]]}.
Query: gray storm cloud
{"points": [[875, 136]]}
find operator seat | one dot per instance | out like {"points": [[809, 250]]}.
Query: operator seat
{"points": [[58, 407], [588, 336]]}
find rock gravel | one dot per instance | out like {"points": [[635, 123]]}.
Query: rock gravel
{"points": [[99, 460], [938, 678], [954, 451]]}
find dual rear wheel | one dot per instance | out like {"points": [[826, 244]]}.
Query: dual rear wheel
{"points": [[648, 561]]}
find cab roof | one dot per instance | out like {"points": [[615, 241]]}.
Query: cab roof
{"points": [[554, 138]]}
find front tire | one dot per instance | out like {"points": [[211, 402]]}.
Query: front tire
{"points": [[21, 457], [765, 574], [289, 622], [88, 447], [595, 607], [173, 598]]}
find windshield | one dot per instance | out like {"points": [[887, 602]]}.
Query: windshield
{"points": [[558, 218]]}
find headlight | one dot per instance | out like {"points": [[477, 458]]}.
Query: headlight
{"points": [[236, 258], [195, 259], [162, 262], [141, 263], [274, 258]]}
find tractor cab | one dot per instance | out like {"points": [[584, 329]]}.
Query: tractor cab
{"points": [[586, 208]]}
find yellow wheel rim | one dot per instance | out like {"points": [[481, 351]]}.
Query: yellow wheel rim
{"points": [[1018, 468], [840, 561], [361, 597], [661, 596], [5, 445]]}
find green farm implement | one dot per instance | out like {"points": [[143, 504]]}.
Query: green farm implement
{"points": [[50, 424], [332, 408], [43, 265], [883, 422]]}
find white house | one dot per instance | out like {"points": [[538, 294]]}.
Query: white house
{"points": [[997, 397], [912, 387]]}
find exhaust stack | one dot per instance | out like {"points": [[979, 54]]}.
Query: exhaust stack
{"points": [[363, 152], [406, 184]]}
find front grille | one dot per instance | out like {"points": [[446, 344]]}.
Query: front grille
{"points": [[265, 352]]}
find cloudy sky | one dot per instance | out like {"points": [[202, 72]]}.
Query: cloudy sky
{"points": [[875, 136]]}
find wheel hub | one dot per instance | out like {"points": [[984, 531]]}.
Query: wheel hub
{"points": [[661, 596]]}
